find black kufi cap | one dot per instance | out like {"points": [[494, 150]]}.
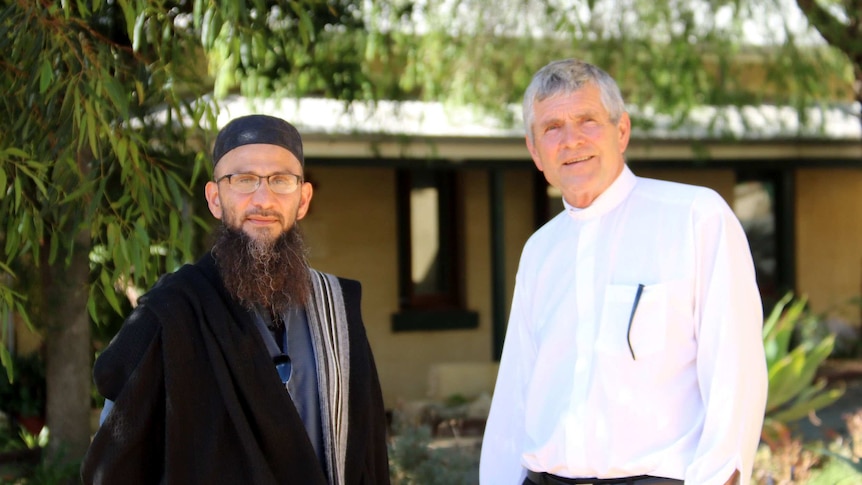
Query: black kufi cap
{"points": [[251, 129]]}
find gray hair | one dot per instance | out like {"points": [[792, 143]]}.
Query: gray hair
{"points": [[567, 76]]}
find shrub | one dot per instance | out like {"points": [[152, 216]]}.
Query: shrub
{"points": [[793, 355]]}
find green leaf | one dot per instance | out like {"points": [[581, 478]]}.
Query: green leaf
{"points": [[46, 75], [196, 13], [174, 222], [84, 7], [118, 96], [18, 191], [791, 375], [804, 407], [53, 250], [108, 291], [91, 128], [128, 16], [137, 33], [122, 149], [12, 238], [143, 243], [91, 306], [15, 152]]}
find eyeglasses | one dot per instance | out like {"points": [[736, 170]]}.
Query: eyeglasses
{"points": [[246, 183], [282, 365]]}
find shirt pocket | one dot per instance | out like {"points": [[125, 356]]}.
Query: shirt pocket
{"points": [[647, 333]]}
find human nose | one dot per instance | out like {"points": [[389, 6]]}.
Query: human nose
{"points": [[263, 196], [572, 136]]}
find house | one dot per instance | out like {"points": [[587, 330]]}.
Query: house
{"points": [[429, 208]]}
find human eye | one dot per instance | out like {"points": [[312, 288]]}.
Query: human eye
{"points": [[551, 127], [244, 180], [282, 180]]}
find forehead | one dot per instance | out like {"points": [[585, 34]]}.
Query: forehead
{"points": [[259, 158], [585, 101]]}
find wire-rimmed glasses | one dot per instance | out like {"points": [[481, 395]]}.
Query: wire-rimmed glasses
{"points": [[246, 183]]}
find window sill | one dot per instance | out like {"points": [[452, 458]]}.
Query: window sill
{"points": [[415, 320]]}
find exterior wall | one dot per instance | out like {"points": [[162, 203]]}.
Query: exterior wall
{"points": [[722, 181], [829, 239], [520, 223], [351, 231]]}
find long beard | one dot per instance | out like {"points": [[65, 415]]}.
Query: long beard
{"points": [[269, 273]]}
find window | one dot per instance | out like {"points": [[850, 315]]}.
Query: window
{"points": [[430, 245], [760, 205]]}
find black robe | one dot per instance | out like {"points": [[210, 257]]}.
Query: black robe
{"points": [[197, 399]]}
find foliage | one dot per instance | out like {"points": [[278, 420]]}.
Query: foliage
{"points": [[847, 450], [794, 389], [19, 452], [838, 320], [34, 469], [22, 387], [785, 463], [53, 473], [413, 461], [668, 55], [93, 167], [794, 462]]}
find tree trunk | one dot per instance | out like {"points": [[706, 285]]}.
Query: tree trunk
{"points": [[68, 353]]}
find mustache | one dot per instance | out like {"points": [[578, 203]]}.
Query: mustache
{"points": [[264, 213]]}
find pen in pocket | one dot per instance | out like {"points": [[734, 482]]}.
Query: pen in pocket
{"points": [[632, 317]]}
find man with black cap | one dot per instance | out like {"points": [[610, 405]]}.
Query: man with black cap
{"points": [[247, 366]]}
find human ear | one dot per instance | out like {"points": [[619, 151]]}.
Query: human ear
{"points": [[213, 201], [306, 191]]}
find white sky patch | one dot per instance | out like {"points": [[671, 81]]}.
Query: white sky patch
{"points": [[758, 22]]}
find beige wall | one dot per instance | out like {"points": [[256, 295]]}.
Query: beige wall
{"points": [[351, 230], [519, 223], [722, 181], [829, 238]]}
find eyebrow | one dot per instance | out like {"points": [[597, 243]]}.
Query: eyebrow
{"points": [[593, 114]]}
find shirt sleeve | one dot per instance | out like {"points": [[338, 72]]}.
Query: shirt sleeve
{"points": [[731, 364], [504, 439]]}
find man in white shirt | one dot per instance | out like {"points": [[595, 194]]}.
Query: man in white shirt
{"points": [[633, 353]]}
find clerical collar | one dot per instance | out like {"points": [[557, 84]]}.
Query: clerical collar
{"points": [[607, 200]]}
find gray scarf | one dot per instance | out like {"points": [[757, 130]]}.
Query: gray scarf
{"points": [[327, 323]]}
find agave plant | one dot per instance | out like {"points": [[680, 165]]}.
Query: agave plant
{"points": [[793, 357]]}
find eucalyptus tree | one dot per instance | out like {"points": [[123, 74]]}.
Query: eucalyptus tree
{"points": [[101, 149], [87, 194]]}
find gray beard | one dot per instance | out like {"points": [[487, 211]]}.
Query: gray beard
{"points": [[270, 274]]}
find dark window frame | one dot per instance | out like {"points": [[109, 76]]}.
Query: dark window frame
{"points": [[446, 308]]}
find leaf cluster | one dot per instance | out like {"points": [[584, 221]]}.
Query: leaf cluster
{"points": [[412, 461], [794, 389], [669, 56], [97, 138]]}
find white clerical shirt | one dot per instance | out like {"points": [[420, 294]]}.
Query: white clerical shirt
{"points": [[587, 388]]}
